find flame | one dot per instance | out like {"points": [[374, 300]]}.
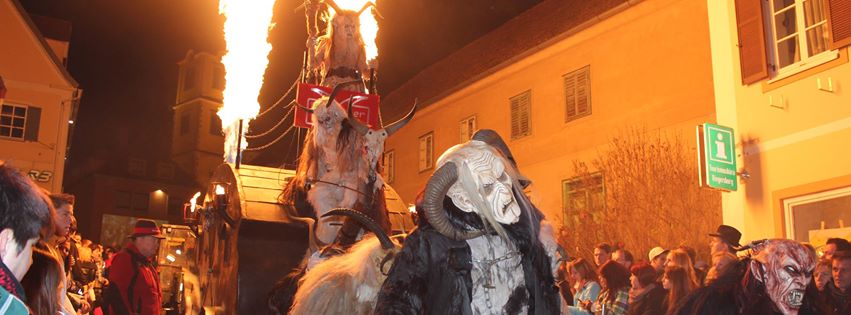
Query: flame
{"points": [[247, 24], [368, 25], [194, 201]]}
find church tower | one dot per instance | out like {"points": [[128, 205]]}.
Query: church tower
{"points": [[197, 140]]}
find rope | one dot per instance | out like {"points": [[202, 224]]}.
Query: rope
{"points": [[278, 101], [271, 143], [280, 122]]}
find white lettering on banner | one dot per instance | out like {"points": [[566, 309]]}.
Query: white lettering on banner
{"points": [[725, 171], [722, 180]]}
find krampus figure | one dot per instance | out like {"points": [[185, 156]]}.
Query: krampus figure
{"points": [[479, 249], [373, 140], [775, 280], [340, 54]]}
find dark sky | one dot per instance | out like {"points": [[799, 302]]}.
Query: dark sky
{"points": [[124, 54]]}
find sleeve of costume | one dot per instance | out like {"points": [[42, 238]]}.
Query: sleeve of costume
{"points": [[120, 273], [405, 288]]}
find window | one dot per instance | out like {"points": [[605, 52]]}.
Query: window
{"points": [[389, 166], [19, 122], [815, 217], [582, 194], [798, 34], [125, 200], [426, 152], [521, 116], [219, 78], [577, 93], [215, 124], [468, 127], [189, 78], [165, 170], [184, 123], [122, 200], [137, 167]]}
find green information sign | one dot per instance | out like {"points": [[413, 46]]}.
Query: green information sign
{"points": [[717, 157]]}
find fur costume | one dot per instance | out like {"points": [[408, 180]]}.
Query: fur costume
{"points": [[340, 54], [478, 248], [773, 281]]}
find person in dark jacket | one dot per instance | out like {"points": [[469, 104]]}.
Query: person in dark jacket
{"points": [[134, 274], [646, 297]]}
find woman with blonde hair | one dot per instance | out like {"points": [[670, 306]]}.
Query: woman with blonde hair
{"points": [[585, 286], [680, 258], [678, 284]]}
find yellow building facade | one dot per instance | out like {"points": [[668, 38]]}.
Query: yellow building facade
{"points": [[781, 75], [643, 64], [41, 98]]}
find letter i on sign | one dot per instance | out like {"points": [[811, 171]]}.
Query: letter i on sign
{"points": [[720, 150]]}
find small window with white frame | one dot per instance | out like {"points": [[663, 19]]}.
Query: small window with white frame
{"points": [[798, 36], [468, 127], [389, 166], [426, 152], [13, 120]]}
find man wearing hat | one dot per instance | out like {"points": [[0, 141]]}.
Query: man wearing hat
{"points": [[657, 257], [725, 238], [133, 274]]}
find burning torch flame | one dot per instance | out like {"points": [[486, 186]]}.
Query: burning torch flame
{"points": [[193, 201], [247, 24], [368, 25]]}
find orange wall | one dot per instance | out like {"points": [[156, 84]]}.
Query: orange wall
{"points": [[650, 67]]}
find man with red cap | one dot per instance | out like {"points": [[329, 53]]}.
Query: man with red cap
{"points": [[134, 282]]}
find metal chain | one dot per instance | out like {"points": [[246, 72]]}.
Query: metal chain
{"points": [[280, 122], [271, 143]]}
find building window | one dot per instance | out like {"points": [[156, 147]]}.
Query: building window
{"points": [[137, 167], [468, 127], [122, 200], [215, 124], [583, 194], [389, 166], [798, 35], [139, 202], [19, 122], [521, 115], [165, 170], [426, 153], [189, 78], [184, 123], [219, 78], [816, 217], [577, 93]]}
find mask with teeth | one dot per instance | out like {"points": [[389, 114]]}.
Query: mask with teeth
{"points": [[785, 267]]}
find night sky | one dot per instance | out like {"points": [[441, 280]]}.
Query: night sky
{"points": [[124, 55]]}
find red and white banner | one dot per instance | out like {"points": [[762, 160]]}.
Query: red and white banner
{"points": [[364, 106]]}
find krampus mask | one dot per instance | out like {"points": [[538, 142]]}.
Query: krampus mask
{"points": [[785, 268], [374, 139]]}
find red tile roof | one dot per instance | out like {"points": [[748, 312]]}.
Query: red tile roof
{"points": [[485, 55]]}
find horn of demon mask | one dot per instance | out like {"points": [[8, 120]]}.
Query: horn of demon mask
{"points": [[785, 267]]}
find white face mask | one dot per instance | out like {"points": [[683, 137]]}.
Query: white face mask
{"points": [[483, 182]]}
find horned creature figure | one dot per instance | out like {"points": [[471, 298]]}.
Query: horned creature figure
{"points": [[774, 280], [480, 247], [340, 54], [374, 141]]}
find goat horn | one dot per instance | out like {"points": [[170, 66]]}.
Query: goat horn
{"points": [[392, 128], [309, 110], [333, 6], [360, 127], [337, 89], [366, 5], [435, 191], [366, 222]]}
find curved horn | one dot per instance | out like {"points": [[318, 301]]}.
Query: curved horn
{"points": [[367, 223], [366, 5], [337, 89], [333, 6], [360, 127], [435, 191], [309, 110], [401, 122]]}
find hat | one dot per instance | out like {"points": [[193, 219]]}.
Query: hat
{"points": [[729, 234], [145, 227], [656, 251]]}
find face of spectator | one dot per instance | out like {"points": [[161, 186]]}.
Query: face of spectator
{"points": [[823, 274], [18, 261], [666, 283], [63, 217], [147, 245], [620, 258], [633, 281], [842, 274], [601, 256], [717, 245], [669, 260], [603, 283], [658, 263], [829, 249]]}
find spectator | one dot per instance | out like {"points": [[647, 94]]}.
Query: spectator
{"points": [[563, 284], [585, 286], [839, 296], [623, 257], [135, 266], [58, 246], [680, 258], [614, 296], [724, 239], [25, 213], [823, 275], [721, 261], [657, 257], [835, 244], [43, 284], [678, 284], [646, 297], [602, 253], [692, 254]]}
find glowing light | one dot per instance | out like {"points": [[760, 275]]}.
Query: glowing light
{"points": [[412, 208], [70, 122], [247, 24], [220, 190], [368, 25], [193, 203], [178, 251], [170, 258]]}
